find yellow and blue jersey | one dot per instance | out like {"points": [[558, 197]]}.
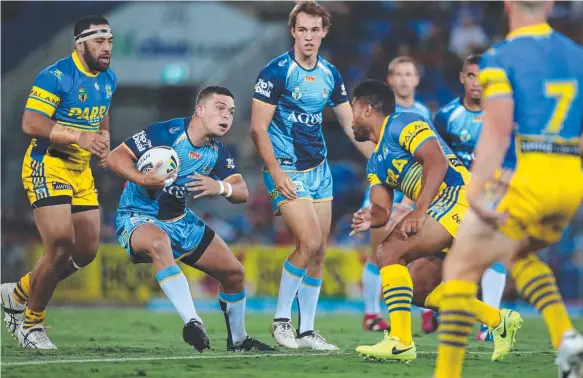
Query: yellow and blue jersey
{"points": [[300, 97], [393, 162], [541, 69], [212, 159], [68, 94], [460, 128]]}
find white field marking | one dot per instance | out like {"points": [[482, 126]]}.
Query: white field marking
{"points": [[227, 356]]}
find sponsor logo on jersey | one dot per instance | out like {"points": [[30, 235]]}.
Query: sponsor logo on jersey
{"points": [[324, 93], [281, 63], [173, 130], [305, 118], [299, 186], [273, 194], [61, 186], [343, 90], [230, 163], [478, 119], [96, 86], [263, 88], [57, 73], [310, 79], [142, 142], [194, 155], [82, 94], [176, 191]]}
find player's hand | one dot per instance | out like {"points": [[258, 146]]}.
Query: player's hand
{"points": [[413, 222], [361, 221], [284, 184], [94, 142], [154, 180], [205, 185], [482, 198], [103, 158]]}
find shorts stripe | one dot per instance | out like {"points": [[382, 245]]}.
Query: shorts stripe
{"points": [[456, 191]]}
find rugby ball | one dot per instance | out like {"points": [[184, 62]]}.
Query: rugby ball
{"points": [[167, 155]]}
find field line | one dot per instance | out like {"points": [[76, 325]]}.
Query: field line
{"points": [[225, 356]]}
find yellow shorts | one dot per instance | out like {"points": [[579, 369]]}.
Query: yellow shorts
{"points": [[449, 208], [47, 183], [542, 197]]}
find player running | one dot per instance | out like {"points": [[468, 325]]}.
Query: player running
{"points": [[286, 127], [411, 157], [154, 225], [67, 114], [527, 182], [403, 77], [459, 123]]}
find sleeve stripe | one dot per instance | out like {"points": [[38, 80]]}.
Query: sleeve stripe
{"points": [[40, 106], [41, 100], [414, 134], [130, 151], [232, 176], [42, 94], [497, 89], [345, 102], [263, 102], [492, 75], [418, 142], [373, 179]]}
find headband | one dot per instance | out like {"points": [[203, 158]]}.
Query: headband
{"points": [[93, 33]]}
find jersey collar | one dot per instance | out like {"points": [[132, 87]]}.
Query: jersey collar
{"points": [[79, 65], [531, 31], [382, 133]]}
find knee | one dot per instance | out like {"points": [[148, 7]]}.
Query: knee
{"points": [[318, 257], [388, 254], [311, 246], [160, 248], [234, 277], [61, 248]]}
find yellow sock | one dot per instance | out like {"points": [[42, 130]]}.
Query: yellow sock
{"points": [[456, 319], [32, 318], [20, 293], [433, 300], [398, 294], [536, 283], [486, 314]]}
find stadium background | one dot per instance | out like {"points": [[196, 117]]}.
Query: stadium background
{"points": [[165, 52]]}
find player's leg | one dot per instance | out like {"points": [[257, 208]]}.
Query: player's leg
{"points": [[371, 285], [493, 283], [149, 241], [215, 258]]}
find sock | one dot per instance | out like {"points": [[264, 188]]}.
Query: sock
{"points": [[291, 279], [398, 293], [493, 283], [233, 306], [371, 288], [308, 295], [32, 318], [175, 286], [455, 323], [20, 293], [536, 283], [486, 314]]}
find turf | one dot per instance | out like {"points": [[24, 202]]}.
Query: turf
{"points": [[129, 343]]}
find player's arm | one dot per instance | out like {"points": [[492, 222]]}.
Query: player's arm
{"points": [[440, 124], [104, 130], [344, 114]]}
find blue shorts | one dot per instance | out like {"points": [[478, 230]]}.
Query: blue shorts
{"points": [[189, 235], [314, 184], [398, 198]]}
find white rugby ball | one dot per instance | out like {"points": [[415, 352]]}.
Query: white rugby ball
{"points": [[167, 155]]}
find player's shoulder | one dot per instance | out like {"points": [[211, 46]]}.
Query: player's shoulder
{"points": [[279, 64], [61, 69], [449, 108], [110, 75], [326, 66], [399, 121], [169, 129]]}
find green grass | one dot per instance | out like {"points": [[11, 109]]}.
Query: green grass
{"points": [[114, 334]]}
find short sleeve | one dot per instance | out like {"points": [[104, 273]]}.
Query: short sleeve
{"points": [[493, 76], [225, 166], [411, 136], [44, 97], [269, 85], [152, 136], [338, 95], [371, 172]]}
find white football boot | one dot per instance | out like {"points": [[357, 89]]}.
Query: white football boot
{"points": [[313, 340], [284, 334], [34, 338], [570, 356], [13, 311]]}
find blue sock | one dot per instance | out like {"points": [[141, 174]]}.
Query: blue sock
{"points": [[291, 279], [371, 288], [233, 306], [308, 295], [175, 286]]}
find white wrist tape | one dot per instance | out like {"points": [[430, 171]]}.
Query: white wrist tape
{"points": [[229, 191], [221, 187]]}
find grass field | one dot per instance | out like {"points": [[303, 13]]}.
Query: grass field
{"points": [[129, 343]]}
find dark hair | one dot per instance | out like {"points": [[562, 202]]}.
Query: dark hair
{"points": [[206, 92], [471, 59], [403, 59], [313, 9], [85, 22], [377, 94]]}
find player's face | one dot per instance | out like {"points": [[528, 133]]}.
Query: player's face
{"points": [[308, 33], [217, 114], [360, 113], [469, 79], [97, 51], [404, 80]]}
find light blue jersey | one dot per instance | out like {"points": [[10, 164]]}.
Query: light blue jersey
{"points": [[460, 128], [300, 97]]}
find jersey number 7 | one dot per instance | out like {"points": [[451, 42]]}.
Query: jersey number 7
{"points": [[564, 92]]}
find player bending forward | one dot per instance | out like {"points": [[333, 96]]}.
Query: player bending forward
{"points": [[154, 225], [411, 157]]}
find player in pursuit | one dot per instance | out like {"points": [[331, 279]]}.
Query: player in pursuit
{"points": [[527, 182], [403, 78], [67, 115], [286, 127], [154, 225], [411, 157], [459, 123]]}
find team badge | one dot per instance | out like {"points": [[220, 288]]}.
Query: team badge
{"points": [[324, 93], [297, 94], [108, 91], [230, 163], [96, 86], [465, 135], [82, 94], [385, 151], [273, 194], [124, 237]]}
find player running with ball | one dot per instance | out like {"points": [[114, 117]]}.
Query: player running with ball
{"points": [[154, 225]]}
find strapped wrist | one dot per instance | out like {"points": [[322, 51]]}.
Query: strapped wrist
{"points": [[221, 187], [64, 135]]}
